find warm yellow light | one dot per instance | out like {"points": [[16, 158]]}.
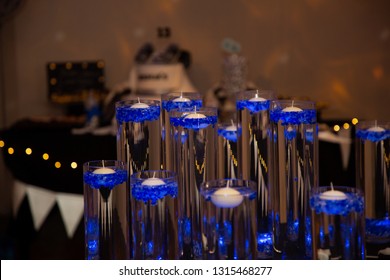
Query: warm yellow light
{"points": [[57, 164], [2, 143], [11, 150], [346, 126], [355, 121], [336, 128], [28, 151], [73, 165], [45, 156]]}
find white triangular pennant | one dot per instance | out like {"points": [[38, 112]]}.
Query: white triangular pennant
{"points": [[41, 202], [72, 209], [18, 193]]}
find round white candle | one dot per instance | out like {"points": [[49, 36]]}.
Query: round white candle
{"points": [[376, 129], [257, 99], [181, 99], [104, 170], [231, 127], [153, 182], [333, 195], [227, 198], [139, 105], [195, 116], [292, 108]]}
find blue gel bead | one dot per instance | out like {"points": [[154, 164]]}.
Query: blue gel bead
{"points": [[373, 136], [169, 105], [127, 114], [97, 181], [253, 106]]}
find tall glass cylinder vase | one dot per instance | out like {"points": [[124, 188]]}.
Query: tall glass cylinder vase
{"points": [[196, 144], [229, 219], [106, 212], [254, 156], [138, 137], [294, 172], [154, 199], [337, 223], [373, 178], [171, 101]]}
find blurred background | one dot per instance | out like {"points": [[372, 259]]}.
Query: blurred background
{"points": [[336, 53]]}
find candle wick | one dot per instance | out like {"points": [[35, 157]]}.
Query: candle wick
{"points": [[103, 163], [331, 186], [292, 103], [154, 174], [231, 120], [139, 101], [376, 123], [256, 95]]}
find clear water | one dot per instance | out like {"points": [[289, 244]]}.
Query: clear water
{"points": [[373, 177], [253, 163], [338, 227], [196, 144], [227, 152], [139, 145], [168, 153], [105, 216], [294, 161], [229, 233]]}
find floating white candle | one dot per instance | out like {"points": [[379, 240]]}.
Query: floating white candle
{"points": [[333, 194], [376, 128], [195, 115], [181, 99], [226, 197], [257, 98], [232, 127], [292, 108], [139, 105], [104, 170], [153, 182]]}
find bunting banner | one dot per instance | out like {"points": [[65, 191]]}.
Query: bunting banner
{"points": [[42, 201]]}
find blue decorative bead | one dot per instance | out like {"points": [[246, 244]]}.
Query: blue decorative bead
{"points": [[169, 105], [378, 228], [353, 203], [301, 117], [127, 114], [153, 193], [373, 136], [111, 180], [253, 106], [230, 135]]}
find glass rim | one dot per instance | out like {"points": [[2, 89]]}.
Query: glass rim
{"points": [[284, 103], [207, 110], [107, 163], [322, 189], [138, 174], [365, 124], [222, 183], [268, 94], [167, 95], [134, 100]]}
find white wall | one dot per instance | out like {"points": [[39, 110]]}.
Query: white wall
{"points": [[335, 52]]}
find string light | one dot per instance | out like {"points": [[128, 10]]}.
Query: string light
{"points": [[73, 165], [57, 164], [336, 128], [355, 121], [45, 156], [28, 151], [2, 144], [346, 125], [11, 150]]}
